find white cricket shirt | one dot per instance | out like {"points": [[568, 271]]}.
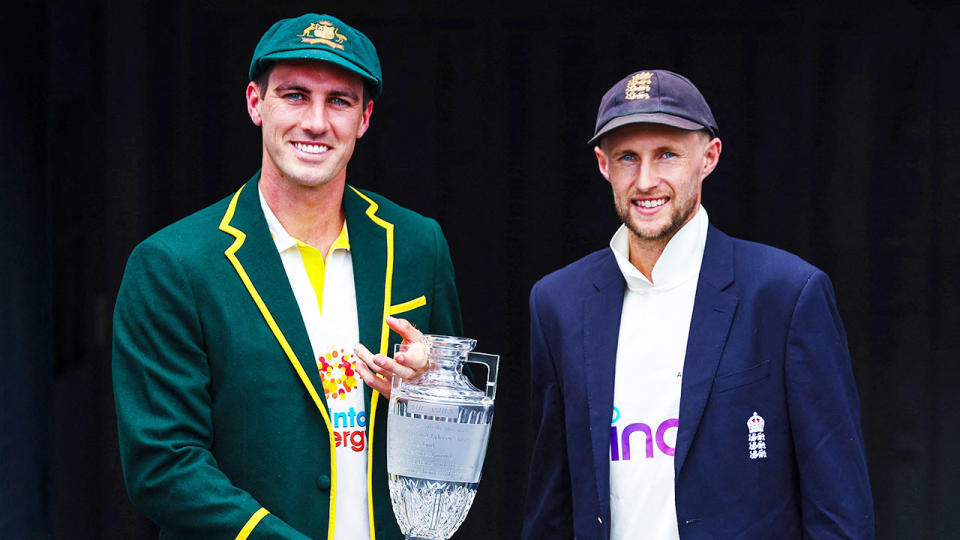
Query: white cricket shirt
{"points": [[650, 353], [328, 304]]}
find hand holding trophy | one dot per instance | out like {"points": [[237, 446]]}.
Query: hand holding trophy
{"points": [[377, 370]]}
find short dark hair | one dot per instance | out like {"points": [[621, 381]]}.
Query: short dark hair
{"points": [[263, 78]]}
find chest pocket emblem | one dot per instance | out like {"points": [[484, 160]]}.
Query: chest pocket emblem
{"points": [[756, 441]]}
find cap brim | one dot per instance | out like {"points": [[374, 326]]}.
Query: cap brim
{"points": [[647, 118], [324, 56]]}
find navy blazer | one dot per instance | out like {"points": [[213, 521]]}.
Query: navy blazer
{"points": [[765, 337]]}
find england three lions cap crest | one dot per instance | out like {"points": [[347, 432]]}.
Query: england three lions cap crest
{"points": [[320, 37], [654, 96]]}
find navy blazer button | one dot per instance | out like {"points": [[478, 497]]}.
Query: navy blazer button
{"points": [[600, 521], [323, 481]]}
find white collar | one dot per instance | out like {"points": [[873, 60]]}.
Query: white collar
{"points": [[282, 238], [679, 262]]}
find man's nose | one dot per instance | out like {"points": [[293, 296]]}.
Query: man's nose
{"points": [[315, 119], [647, 178]]}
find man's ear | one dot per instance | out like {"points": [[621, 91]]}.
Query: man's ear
{"points": [[365, 123], [602, 162], [711, 156], [253, 103]]}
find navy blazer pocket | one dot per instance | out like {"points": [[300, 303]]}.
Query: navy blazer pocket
{"points": [[743, 377]]}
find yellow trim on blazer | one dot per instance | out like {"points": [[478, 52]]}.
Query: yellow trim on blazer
{"points": [[231, 255], [388, 281], [251, 523], [384, 343], [408, 306]]}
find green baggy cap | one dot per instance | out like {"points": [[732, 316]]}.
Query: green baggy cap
{"points": [[320, 37]]}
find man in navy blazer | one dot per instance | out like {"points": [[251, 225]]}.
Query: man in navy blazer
{"points": [[687, 384]]}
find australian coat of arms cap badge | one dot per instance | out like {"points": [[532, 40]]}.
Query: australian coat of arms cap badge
{"points": [[323, 32]]}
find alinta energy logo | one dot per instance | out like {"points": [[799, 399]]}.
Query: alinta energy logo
{"points": [[339, 376], [620, 441], [338, 373], [349, 428]]}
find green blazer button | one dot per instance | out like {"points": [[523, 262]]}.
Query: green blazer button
{"points": [[323, 481]]}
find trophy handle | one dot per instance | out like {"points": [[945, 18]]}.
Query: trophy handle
{"points": [[492, 361]]}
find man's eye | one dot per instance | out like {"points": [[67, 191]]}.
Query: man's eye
{"points": [[339, 101], [669, 155], [628, 158], [294, 96]]}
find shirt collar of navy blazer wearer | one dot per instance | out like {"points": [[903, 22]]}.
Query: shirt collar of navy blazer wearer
{"points": [[678, 263], [713, 314]]}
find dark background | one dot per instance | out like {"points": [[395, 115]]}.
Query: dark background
{"points": [[840, 144]]}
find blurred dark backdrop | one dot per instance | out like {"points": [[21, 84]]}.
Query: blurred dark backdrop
{"points": [[840, 144]]}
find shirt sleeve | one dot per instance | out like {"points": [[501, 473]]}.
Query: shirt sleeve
{"points": [[161, 387]]}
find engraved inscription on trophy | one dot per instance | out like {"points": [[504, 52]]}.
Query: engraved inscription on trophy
{"points": [[437, 451], [432, 409]]}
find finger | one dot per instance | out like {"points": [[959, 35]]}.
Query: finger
{"points": [[384, 365], [413, 359], [407, 331], [389, 365], [364, 354], [413, 353], [380, 384]]}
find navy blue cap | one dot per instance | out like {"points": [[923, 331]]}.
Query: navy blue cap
{"points": [[654, 96]]}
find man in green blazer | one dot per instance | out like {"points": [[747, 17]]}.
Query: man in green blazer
{"points": [[231, 357]]}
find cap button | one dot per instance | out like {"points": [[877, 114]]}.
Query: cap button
{"points": [[323, 482]]}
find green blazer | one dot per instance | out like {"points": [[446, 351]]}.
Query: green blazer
{"points": [[223, 426]]}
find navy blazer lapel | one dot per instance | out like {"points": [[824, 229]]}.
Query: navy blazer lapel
{"points": [[255, 258], [601, 331], [713, 312]]}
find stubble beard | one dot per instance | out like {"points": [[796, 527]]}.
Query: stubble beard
{"points": [[302, 176], [678, 219]]}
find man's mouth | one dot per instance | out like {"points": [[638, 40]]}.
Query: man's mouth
{"points": [[650, 203], [311, 148]]}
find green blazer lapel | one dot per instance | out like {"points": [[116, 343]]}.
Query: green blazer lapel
{"points": [[254, 256], [371, 248]]}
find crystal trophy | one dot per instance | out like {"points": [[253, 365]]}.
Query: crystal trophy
{"points": [[437, 434]]}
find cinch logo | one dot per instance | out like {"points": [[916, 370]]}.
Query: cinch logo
{"points": [[620, 442], [357, 439]]}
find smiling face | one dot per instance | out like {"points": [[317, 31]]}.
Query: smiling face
{"points": [[656, 173], [312, 114]]}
